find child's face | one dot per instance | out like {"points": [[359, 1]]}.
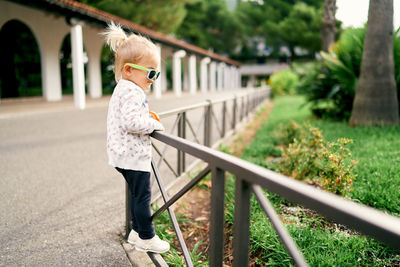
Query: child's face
{"points": [[139, 77]]}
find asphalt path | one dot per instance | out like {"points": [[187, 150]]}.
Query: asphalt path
{"points": [[61, 203]]}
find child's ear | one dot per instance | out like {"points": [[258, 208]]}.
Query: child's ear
{"points": [[127, 69]]}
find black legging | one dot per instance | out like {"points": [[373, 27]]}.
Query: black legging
{"points": [[139, 185]]}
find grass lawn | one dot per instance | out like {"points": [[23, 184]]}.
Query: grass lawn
{"points": [[325, 243]]}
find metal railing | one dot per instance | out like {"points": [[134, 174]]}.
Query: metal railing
{"points": [[219, 119], [251, 178]]}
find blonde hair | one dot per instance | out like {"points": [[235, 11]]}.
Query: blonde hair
{"points": [[126, 48]]}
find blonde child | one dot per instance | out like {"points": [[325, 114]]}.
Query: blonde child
{"points": [[129, 126]]}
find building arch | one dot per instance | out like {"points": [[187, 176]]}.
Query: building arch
{"points": [[20, 69], [49, 31]]}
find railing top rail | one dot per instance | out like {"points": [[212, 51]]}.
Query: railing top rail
{"points": [[206, 103], [182, 109], [359, 217]]}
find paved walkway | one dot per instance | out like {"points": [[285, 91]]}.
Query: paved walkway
{"points": [[61, 204]]}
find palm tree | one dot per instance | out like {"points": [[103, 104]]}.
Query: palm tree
{"points": [[328, 29], [375, 102]]}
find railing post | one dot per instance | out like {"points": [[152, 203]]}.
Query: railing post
{"points": [[181, 133], [234, 113], [241, 223], [172, 216], [207, 124], [223, 118], [216, 250], [128, 216]]}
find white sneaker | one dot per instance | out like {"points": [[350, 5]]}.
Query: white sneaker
{"points": [[133, 237], [154, 244]]}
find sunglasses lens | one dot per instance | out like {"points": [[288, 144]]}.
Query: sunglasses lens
{"points": [[153, 74]]}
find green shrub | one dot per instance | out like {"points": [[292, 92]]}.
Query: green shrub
{"points": [[330, 85], [336, 168], [309, 157], [284, 82], [287, 133]]}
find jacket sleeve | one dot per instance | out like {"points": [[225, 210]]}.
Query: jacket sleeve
{"points": [[134, 117]]}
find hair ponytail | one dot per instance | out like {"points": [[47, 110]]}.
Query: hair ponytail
{"points": [[115, 36], [130, 48]]}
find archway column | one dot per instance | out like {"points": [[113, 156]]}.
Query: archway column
{"points": [[213, 73], [230, 80], [185, 73], [204, 74], [192, 74], [220, 81], [227, 77], [50, 67], [78, 73], [177, 72], [239, 78], [235, 78]]}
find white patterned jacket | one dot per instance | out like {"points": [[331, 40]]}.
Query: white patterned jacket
{"points": [[129, 126]]}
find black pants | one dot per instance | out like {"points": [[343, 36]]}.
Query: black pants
{"points": [[139, 185]]}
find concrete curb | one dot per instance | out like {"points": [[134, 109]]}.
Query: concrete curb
{"points": [[142, 259]]}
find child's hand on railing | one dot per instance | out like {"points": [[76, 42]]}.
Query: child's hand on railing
{"points": [[154, 115]]}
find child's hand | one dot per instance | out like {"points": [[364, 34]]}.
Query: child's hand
{"points": [[160, 128], [154, 115]]}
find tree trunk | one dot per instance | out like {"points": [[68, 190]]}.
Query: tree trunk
{"points": [[328, 29], [375, 102]]}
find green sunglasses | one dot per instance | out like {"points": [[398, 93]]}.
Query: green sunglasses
{"points": [[151, 73]]}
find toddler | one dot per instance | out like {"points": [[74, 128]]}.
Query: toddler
{"points": [[129, 126]]}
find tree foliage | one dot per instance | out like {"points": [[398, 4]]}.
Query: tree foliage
{"points": [[301, 27], [210, 25], [160, 15], [290, 23], [236, 33]]}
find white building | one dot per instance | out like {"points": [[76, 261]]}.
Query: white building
{"points": [[50, 21]]}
